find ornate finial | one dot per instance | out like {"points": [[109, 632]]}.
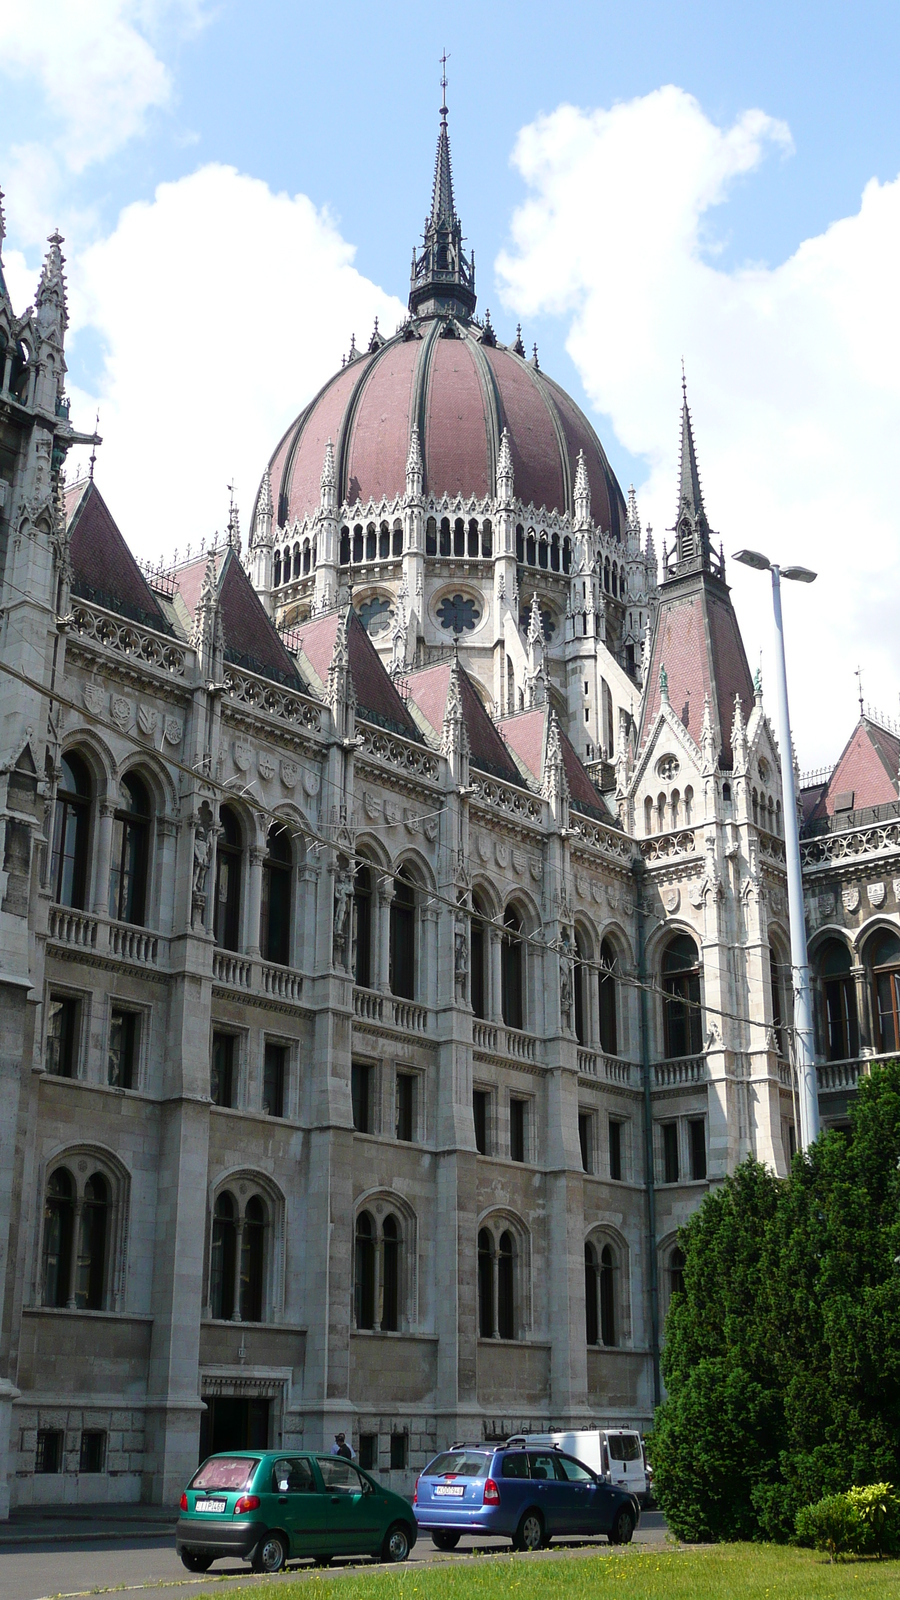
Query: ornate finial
{"points": [[518, 346], [50, 300], [535, 623], [663, 684], [504, 468], [444, 59], [353, 353], [328, 480], [534, 358], [266, 505], [582, 492], [94, 443], [233, 531], [757, 683], [488, 335], [858, 676]]}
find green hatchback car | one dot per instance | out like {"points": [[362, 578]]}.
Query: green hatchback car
{"points": [[268, 1505]]}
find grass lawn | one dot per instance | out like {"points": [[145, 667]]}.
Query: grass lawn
{"points": [[745, 1571]]}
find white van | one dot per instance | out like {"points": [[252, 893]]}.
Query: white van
{"points": [[615, 1454]]}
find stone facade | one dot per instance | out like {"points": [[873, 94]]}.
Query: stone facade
{"points": [[366, 1038]]}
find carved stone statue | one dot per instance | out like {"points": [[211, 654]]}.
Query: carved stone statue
{"points": [[460, 957], [565, 980], [343, 895], [203, 849]]}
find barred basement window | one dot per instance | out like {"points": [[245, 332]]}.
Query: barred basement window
{"points": [[49, 1450], [93, 1451], [399, 1451], [368, 1451]]}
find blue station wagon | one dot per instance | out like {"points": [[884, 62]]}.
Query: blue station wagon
{"points": [[528, 1495], [266, 1505]]}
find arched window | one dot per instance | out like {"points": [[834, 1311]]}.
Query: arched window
{"points": [[362, 918], [275, 905], [512, 996], [397, 539], [554, 553], [390, 1296], [90, 1274], [345, 547], [779, 1009], [520, 544], [307, 555], [130, 852], [371, 547], [487, 539], [608, 999], [69, 870], [543, 553], [676, 1272], [431, 537], [567, 554], [608, 1319], [357, 544], [364, 1277], [485, 1285], [530, 551], [229, 857], [297, 561], [506, 1303], [883, 960], [253, 1256], [445, 536], [403, 937], [579, 985], [59, 1218], [591, 1285], [478, 959], [223, 1258], [841, 1029], [459, 537], [681, 1005], [276, 569]]}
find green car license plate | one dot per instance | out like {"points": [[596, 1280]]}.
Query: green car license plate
{"points": [[210, 1505]]}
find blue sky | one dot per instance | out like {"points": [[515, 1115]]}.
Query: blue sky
{"points": [[103, 101]]}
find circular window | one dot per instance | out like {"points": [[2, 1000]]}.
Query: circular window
{"points": [[458, 613], [667, 768], [375, 615]]}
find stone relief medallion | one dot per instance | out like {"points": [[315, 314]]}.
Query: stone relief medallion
{"points": [[627, 905], [582, 887], [850, 896], [147, 720], [519, 859], [897, 890], [612, 896], [430, 829], [484, 846], [120, 710], [265, 766], [412, 822], [94, 698], [172, 730], [371, 804], [392, 812], [501, 852], [242, 757], [311, 783], [536, 868], [289, 774], [876, 893], [671, 899], [598, 894]]}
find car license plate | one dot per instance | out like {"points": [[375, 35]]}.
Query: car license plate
{"points": [[457, 1489], [209, 1505]]}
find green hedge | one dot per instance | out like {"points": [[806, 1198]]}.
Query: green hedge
{"points": [[864, 1521]]}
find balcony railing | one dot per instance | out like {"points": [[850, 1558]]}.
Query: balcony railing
{"points": [[494, 1039], [594, 1064], [79, 930], [404, 1015], [680, 1073]]}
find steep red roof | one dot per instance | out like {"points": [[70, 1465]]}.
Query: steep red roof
{"points": [[698, 641], [526, 734], [251, 639], [866, 773], [377, 699], [487, 751], [104, 569]]}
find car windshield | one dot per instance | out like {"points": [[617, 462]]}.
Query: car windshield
{"points": [[225, 1472], [458, 1464], [624, 1447]]}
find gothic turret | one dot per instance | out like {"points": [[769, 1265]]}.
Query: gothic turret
{"points": [[442, 282]]}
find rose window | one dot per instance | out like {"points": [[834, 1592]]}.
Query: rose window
{"points": [[458, 614]]}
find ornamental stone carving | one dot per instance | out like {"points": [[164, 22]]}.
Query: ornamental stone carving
{"points": [[94, 698], [172, 730], [672, 899], [243, 756], [120, 711], [875, 893], [147, 720], [850, 896], [265, 766], [311, 783], [289, 774]]}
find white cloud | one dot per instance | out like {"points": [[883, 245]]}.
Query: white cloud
{"points": [[98, 75], [793, 370], [221, 308]]}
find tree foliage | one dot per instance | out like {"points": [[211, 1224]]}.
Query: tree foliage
{"points": [[782, 1353]]}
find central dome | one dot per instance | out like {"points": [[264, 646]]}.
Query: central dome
{"points": [[450, 380]]}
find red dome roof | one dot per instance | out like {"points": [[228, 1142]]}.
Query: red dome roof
{"points": [[462, 393]]}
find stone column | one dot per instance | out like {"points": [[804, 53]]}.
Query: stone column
{"points": [[102, 858], [254, 900], [495, 986], [384, 896]]}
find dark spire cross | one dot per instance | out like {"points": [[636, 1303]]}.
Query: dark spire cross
{"points": [[444, 59]]}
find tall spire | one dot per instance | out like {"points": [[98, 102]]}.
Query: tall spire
{"points": [[3, 290], [692, 530], [443, 276]]}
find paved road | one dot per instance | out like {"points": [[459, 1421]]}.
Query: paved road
{"points": [[39, 1570]]}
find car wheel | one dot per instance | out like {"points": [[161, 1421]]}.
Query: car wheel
{"points": [[195, 1560], [529, 1534], [270, 1554], [623, 1526], [444, 1540], [395, 1546]]}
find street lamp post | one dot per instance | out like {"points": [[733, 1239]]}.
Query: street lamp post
{"points": [[803, 1013]]}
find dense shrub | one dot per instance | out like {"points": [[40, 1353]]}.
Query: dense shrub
{"points": [[863, 1521], [782, 1353]]}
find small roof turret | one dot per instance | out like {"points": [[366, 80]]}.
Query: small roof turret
{"points": [[443, 276]]}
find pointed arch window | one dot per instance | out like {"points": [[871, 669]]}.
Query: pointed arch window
{"points": [[223, 1257], [431, 537], [485, 1284], [69, 870], [608, 998], [130, 853], [59, 1223], [591, 1289], [390, 1292], [403, 937], [275, 905], [608, 1308], [253, 1257], [506, 1287], [512, 997], [883, 957], [579, 986], [344, 555], [681, 1005], [676, 1272], [779, 1006], [276, 569], [362, 917], [478, 959], [841, 1027], [364, 1284], [229, 871], [90, 1273]]}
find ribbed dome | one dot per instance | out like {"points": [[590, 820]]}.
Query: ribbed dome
{"points": [[461, 392]]}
